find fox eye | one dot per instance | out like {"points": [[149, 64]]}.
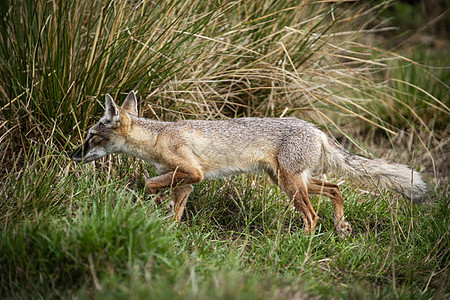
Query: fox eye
{"points": [[101, 125], [96, 139]]}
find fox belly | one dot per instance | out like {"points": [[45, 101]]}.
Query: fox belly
{"points": [[217, 160], [225, 171]]}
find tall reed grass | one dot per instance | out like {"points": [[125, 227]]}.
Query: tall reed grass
{"points": [[200, 59]]}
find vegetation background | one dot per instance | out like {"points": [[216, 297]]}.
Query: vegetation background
{"points": [[373, 74]]}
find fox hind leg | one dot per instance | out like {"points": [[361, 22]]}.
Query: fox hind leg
{"points": [[331, 191], [295, 187]]}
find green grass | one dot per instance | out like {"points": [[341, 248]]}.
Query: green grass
{"points": [[90, 231], [234, 242]]}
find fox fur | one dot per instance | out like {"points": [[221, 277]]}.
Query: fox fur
{"points": [[291, 151]]}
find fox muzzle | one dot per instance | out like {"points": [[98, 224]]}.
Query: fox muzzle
{"points": [[79, 153]]}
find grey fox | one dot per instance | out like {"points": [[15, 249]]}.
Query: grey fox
{"points": [[289, 150]]}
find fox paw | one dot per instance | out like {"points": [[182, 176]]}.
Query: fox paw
{"points": [[171, 206], [160, 198], [344, 229]]}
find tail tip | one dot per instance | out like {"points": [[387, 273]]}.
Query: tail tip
{"points": [[419, 192]]}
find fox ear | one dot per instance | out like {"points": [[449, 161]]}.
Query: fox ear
{"points": [[130, 103], [111, 110]]}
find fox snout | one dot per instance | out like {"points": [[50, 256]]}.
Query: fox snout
{"points": [[79, 153], [89, 150]]}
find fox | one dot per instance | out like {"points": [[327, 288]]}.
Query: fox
{"points": [[291, 151]]}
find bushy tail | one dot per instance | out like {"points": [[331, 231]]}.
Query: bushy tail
{"points": [[386, 174]]}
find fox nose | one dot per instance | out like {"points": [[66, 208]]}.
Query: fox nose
{"points": [[71, 154], [77, 153]]}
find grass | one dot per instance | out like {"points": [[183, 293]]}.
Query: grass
{"points": [[111, 241], [90, 231]]}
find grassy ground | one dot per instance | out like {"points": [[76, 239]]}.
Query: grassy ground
{"points": [[96, 234], [90, 231]]}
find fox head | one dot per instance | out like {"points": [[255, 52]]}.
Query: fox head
{"points": [[110, 133]]}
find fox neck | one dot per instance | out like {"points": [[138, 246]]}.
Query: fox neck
{"points": [[141, 138]]}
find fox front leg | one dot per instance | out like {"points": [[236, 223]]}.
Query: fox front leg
{"points": [[182, 184], [160, 197]]}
